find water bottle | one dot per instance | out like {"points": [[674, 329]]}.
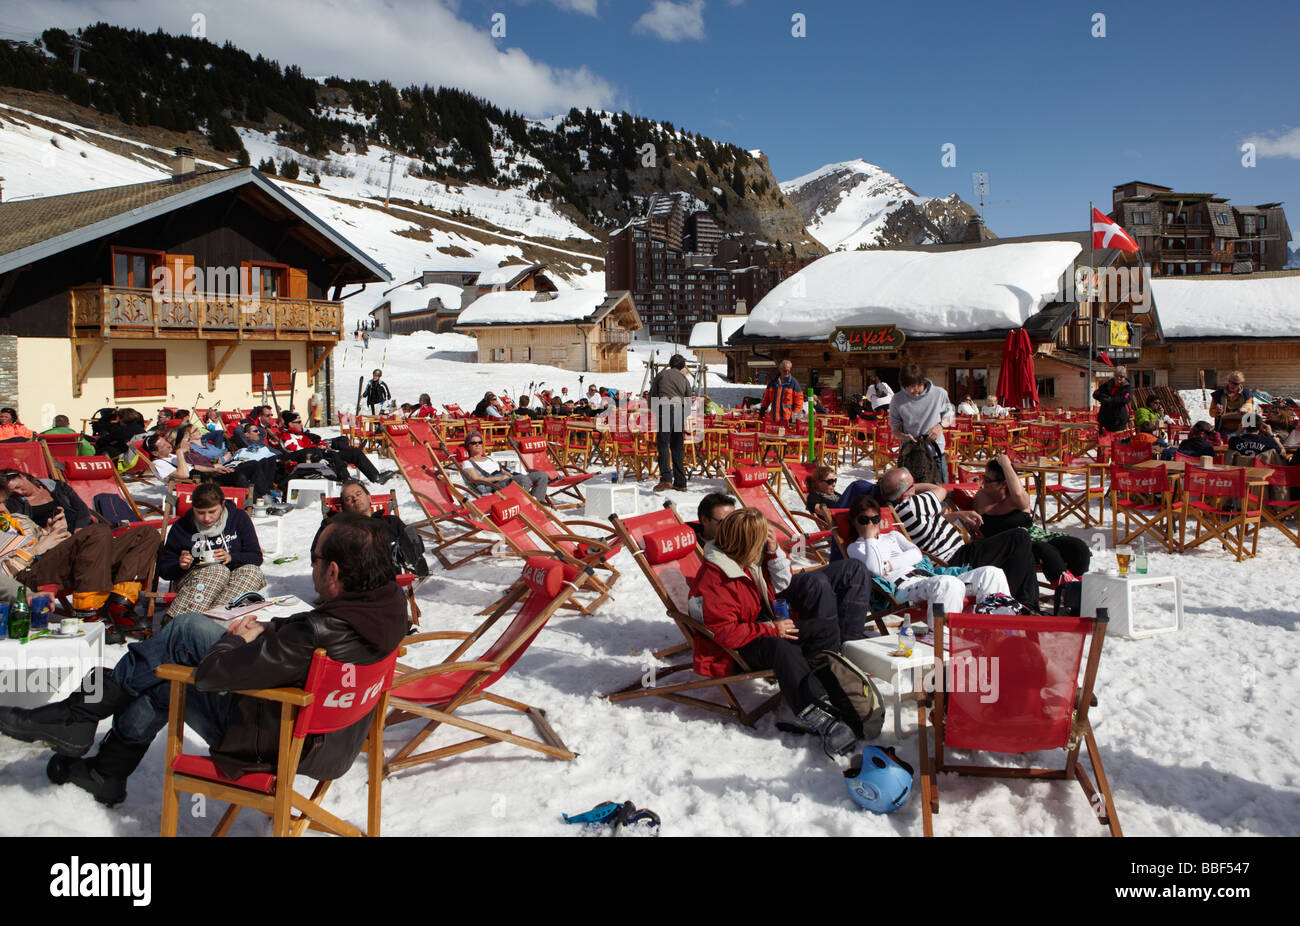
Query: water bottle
{"points": [[1140, 563], [20, 617], [906, 639]]}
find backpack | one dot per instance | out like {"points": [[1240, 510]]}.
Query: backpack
{"points": [[854, 695], [921, 459]]}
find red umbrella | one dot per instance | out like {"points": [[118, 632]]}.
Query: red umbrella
{"points": [[1017, 384]]}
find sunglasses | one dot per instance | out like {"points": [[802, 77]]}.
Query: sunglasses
{"points": [[471, 443], [1236, 382], [865, 519]]}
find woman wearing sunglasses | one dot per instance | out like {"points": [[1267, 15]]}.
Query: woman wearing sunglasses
{"points": [[889, 555], [485, 475], [1004, 504]]}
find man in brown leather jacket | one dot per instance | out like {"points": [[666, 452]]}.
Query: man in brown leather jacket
{"points": [[361, 618]]}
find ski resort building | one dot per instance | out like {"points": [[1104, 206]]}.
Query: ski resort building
{"points": [[584, 331], [948, 308], [433, 300], [179, 292], [1214, 325]]}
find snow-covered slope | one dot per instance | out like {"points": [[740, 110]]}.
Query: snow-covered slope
{"points": [[854, 203]]}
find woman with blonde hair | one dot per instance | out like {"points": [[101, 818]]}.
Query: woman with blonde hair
{"points": [[740, 611]]}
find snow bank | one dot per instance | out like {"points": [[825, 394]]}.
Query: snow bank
{"points": [[1267, 307], [704, 334], [922, 292]]}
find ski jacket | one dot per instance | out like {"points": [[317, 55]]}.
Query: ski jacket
{"points": [[377, 392], [783, 399], [1114, 400], [356, 627]]}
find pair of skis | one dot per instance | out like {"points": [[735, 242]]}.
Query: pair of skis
{"points": [[267, 387]]}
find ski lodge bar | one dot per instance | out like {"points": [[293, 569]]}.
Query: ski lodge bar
{"points": [[183, 291], [948, 308]]}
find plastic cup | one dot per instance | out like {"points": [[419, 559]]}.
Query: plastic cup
{"points": [[40, 605]]}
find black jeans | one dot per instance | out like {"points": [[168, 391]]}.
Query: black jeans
{"points": [[1011, 552], [795, 662], [1062, 553], [672, 456], [839, 593]]}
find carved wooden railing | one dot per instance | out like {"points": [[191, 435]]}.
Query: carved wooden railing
{"points": [[114, 310]]}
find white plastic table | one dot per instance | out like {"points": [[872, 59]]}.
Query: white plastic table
{"points": [[872, 656], [48, 668], [1115, 592], [606, 498], [268, 532], [299, 491]]}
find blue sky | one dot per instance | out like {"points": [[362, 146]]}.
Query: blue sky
{"points": [[1023, 90]]}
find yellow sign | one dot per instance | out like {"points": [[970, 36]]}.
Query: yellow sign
{"points": [[1119, 335]]}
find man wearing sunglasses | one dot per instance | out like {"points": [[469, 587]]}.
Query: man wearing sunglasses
{"points": [[1228, 404], [840, 592]]}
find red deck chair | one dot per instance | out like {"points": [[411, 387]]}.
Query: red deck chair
{"points": [[1218, 502], [521, 426], [752, 488], [533, 455], [1276, 512], [1143, 496], [883, 603], [60, 447], [446, 522], [439, 693], [512, 513], [455, 411], [1046, 440], [670, 558], [335, 696], [796, 477], [91, 477], [398, 434], [421, 429], [26, 456], [1039, 705], [382, 503]]}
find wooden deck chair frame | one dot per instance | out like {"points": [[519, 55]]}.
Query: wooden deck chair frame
{"points": [[565, 480], [1078, 501], [1154, 519], [795, 536], [447, 524], [1277, 512], [545, 543], [687, 693], [483, 674], [1234, 527], [281, 800], [932, 706]]}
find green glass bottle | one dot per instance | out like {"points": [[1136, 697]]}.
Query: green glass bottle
{"points": [[20, 617]]}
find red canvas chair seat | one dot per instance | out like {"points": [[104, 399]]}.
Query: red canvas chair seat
{"points": [[25, 456], [1039, 704], [1276, 512], [438, 693], [534, 455], [446, 521], [752, 488], [335, 696]]}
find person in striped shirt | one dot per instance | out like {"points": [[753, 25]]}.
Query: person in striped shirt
{"points": [[920, 509]]}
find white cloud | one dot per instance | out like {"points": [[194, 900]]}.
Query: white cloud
{"points": [[1277, 144], [402, 41], [577, 6], [673, 22]]}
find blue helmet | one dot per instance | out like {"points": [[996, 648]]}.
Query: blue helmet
{"points": [[879, 780]]}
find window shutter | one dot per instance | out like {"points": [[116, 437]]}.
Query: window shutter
{"points": [[297, 283]]}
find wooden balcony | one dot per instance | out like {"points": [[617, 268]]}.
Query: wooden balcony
{"points": [[118, 312], [613, 336]]}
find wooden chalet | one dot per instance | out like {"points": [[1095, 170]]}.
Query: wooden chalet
{"points": [[1216, 324], [948, 308], [586, 331], [181, 292]]}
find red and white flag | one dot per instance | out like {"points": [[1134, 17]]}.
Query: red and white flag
{"points": [[1108, 234]]}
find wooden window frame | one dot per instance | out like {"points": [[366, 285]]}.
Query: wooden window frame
{"points": [[281, 272], [959, 393], [160, 258], [136, 392]]}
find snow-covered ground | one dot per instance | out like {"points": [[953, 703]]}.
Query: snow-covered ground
{"points": [[1194, 727]]}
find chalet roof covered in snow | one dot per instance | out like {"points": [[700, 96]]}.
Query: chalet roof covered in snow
{"points": [[519, 307], [939, 290], [1227, 306], [414, 297]]}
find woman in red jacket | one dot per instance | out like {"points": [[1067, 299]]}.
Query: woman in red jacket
{"points": [[738, 599]]}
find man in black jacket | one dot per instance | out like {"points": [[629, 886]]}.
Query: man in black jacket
{"points": [[361, 619], [1114, 398]]}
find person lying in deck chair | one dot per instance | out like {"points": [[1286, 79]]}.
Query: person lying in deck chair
{"points": [[408, 548], [484, 475]]}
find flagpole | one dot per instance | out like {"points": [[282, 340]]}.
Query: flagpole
{"points": [[1092, 319]]}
